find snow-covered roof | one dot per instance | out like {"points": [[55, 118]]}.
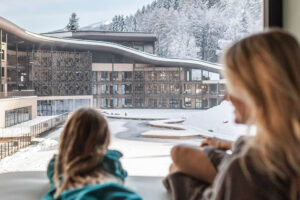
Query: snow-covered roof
{"points": [[89, 45]]}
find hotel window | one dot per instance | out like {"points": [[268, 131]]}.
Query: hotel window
{"points": [[175, 88], [104, 76], [198, 103], [104, 102], [213, 89], [164, 88], [95, 102], [187, 102], [139, 102], [2, 71], [214, 76], [163, 103], [16, 116], [114, 102], [114, 76], [196, 74], [2, 54], [152, 103], [187, 75], [175, 103], [205, 75], [174, 76], [94, 76], [162, 76], [222, 89], [187, 89], [115, 89], [126, 76], [204, 103], [126, 88], [103, 89], [204, 89], [94, 89], [198, 89], [126, 102], [213, 102]]}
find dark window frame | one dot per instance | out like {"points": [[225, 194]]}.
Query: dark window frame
{"points": [[273, 13]]}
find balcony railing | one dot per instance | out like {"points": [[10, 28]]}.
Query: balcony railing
{"points": [[17, 94]]}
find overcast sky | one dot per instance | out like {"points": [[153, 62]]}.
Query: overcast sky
{"points": [[47, 15]]}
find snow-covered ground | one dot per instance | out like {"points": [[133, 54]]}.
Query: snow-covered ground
{"points": [[215, 122], [142, 157]]}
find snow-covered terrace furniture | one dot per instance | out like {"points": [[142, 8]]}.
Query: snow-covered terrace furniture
{"points": [[33, 185]]}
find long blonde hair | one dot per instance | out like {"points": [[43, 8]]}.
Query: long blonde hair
{"points": [[83, 144], [263, 70]]}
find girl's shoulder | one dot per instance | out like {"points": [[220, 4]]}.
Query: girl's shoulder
{"points": [[111, 164], [107, 191]]}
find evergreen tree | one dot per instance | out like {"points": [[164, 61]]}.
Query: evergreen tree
{"points": [[118, 23], [73, 24], [176, 4]]}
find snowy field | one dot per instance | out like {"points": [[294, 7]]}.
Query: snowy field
{"points": [[142, 156], [215, 122]]}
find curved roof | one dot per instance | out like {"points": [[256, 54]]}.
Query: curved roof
{"points": [[105, 36], [88, 45]]}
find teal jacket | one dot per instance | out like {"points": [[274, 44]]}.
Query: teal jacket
{"points": [[106, 191]]}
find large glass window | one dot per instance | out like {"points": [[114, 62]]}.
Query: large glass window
{"points": [[104, 89], [196, 75], [163, 55], [114, 76], [175, 88], [187, 102], [187, 89], [114, 102], [16, 116], [198, 103], [104, 76], [175, 103], [126, 76], [57, 107], [104, 102], [126, 89], [94, 76], [115, 89], [126, 102]]}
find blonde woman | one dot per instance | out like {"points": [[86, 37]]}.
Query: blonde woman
{"points": [[84, 167], [263, 82]]}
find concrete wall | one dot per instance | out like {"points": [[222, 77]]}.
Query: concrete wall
{"points": [[291, 16], [13, 103]]}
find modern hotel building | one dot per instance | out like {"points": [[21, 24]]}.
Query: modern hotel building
{"points": [[53, 73]]}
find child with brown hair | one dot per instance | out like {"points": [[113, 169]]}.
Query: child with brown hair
{"points": [[84, 167]]}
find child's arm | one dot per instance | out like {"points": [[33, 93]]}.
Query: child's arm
{"points": [[192, 161], [218, 143]]}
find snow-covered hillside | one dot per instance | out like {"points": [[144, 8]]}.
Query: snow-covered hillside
{"points": [[194, 28]]}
